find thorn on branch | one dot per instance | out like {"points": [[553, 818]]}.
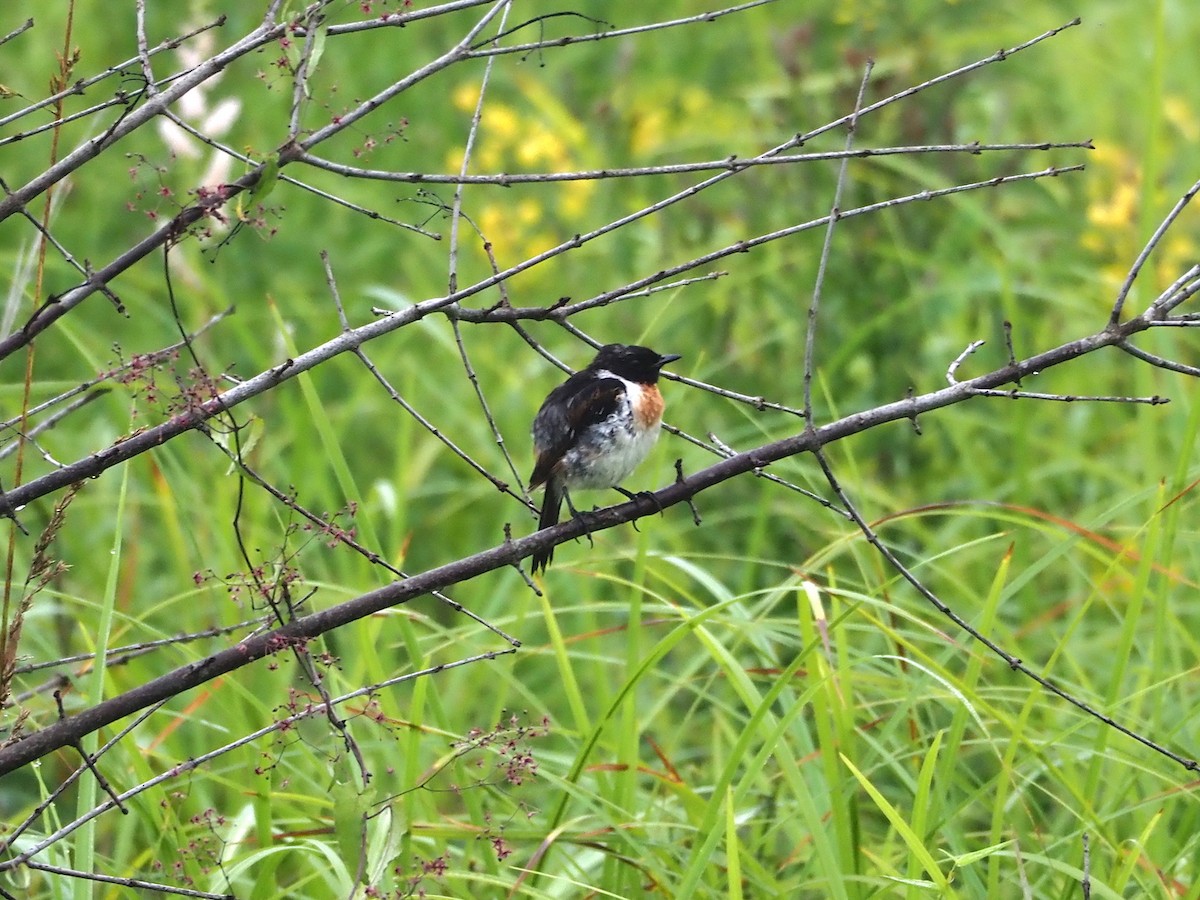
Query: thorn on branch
{"points": [[679, 479], [951, 376], [916, 425], [1008, 343], [87, 761], [516, 563]]}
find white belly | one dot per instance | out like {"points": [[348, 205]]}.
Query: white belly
{"points": [[610, 450]]}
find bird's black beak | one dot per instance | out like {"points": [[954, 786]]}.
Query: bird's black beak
{"points": [[668, 358]]}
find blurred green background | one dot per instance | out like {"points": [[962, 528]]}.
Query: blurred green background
{"points": [[1049, 525]]}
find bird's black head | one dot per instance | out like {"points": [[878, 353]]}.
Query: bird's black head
{"points": [[629, 361]]}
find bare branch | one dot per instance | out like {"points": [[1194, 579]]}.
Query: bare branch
{"points": [[190, 765], [127, 882], [314, 22], [561, 311], [712, 16], [79, 87], [296, 182], [810, 333], [144, 48], [732, 164], [1015, 394], [1159, 361], [45, 425], [1183, 288], [349, 341], [17, 32], [951, 373], [136, 118], [295, 150], [305, 628], [1161, 230], [1013, 662]]}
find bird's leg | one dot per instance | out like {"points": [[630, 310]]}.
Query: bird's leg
{"points": [[582, 517]]}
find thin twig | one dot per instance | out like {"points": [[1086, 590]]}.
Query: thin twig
{"points": [[433, 429], [1161, 230], [403, 20], [10, 838], [1159, 361], [456, 219], [82, 268], [1015, 394], [723, 450], [142, 359], [290, 153], [32, 434], [113, 655], [468, 149], [1013, 662], [144, 48], [731, 164], [559, 312], [89, 763], [610, 32], [16, 32], [1182, 289], [758, 403], [1086, 883], [810, 333], [350, 341], [295, 182], [196, 762], [79, 87], [314, 20], [951, 372], [136, 883], [1008, 344]]}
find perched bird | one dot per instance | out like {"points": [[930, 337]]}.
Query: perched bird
{"points": [[595, 427]]}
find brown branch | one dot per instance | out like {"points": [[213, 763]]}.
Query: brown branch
{"points": [[301, 630], [294, 151], [351, 340]]}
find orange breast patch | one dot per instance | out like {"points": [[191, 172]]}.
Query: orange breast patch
{"points": [[649, 409]]}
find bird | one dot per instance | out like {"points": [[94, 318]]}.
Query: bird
{"points": [[595, 428]]}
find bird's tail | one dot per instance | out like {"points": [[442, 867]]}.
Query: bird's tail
{"points": [[551, 507]]}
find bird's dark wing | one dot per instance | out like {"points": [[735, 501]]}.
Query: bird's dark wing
{"points": [[580, 401]]}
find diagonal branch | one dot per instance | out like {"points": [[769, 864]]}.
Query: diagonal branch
{"points": [[510, 552], [351, 340], [56, 307], [294, 151]]}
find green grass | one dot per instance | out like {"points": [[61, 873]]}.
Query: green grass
{"points": [[758, 707]]}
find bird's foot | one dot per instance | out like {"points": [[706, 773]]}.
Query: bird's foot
{"points": [[584, 518], [647, 495]]}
